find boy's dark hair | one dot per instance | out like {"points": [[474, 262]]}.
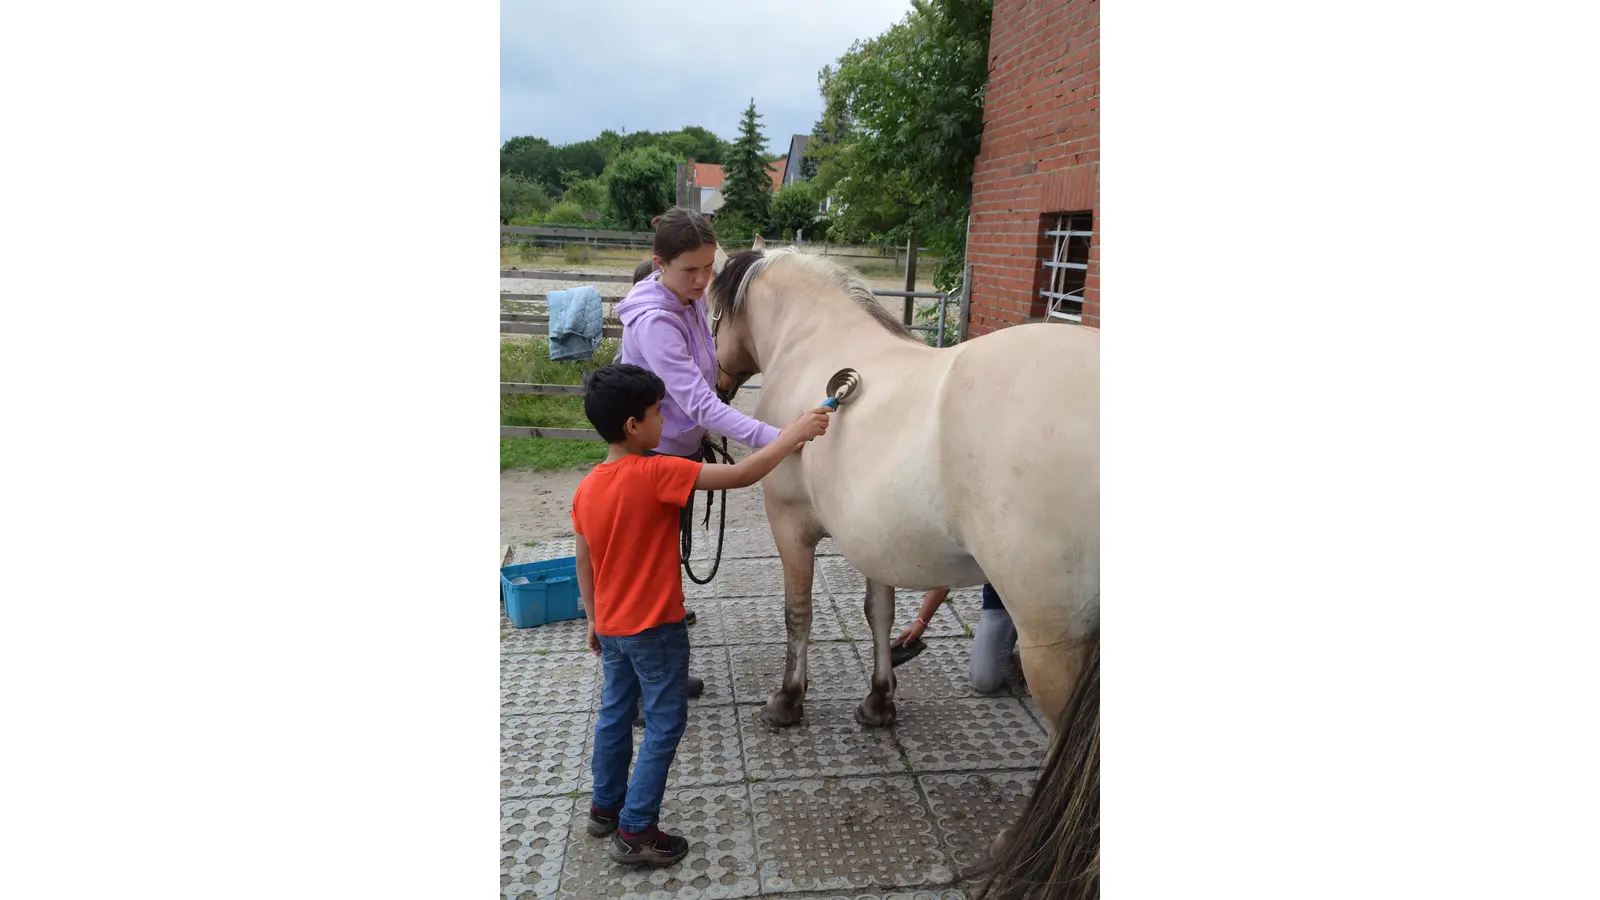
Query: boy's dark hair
{"points": [[680, 230], [643, 270], [616, 393]]}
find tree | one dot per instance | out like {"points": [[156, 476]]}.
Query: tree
{"points": [[531, 159], [588, 194], [520, 198], [794, 207], [745, 180], [642, 184], [913, 101]]}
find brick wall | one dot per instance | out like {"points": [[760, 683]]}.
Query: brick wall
{"points": [[1041, 154]]}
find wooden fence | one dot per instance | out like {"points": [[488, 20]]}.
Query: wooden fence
{"points": [[601, 240], [539, 323]]}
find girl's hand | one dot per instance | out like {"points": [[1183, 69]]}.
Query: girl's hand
{"points": [[910, 635], [594, 641]]}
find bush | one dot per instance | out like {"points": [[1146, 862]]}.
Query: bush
{"points": [[588, 195], [793, 208], [564, 214], [521, 199], [642, 184]]}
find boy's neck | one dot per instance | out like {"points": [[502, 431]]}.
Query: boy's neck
{"points": [[621, 451]]}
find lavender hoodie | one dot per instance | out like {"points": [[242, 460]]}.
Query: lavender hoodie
{"points": [[659, 333]]}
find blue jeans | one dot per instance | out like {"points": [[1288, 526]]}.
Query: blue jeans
{"points": [[654, 663]]}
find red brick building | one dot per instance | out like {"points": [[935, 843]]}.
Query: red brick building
{"points": [[1034, 239]]}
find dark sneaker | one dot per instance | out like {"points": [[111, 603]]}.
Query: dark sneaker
{"points": [[602, 822], [653, 847], [688, 617]]}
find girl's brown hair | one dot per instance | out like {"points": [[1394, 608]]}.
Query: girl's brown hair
{"points": [[680, 230]]}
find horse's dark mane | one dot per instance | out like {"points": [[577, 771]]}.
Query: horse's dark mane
{"points": [[730, 285]]}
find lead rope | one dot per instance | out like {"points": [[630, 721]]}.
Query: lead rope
{"points": [[708, 453]]}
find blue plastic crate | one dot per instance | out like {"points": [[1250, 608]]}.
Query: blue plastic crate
{"points": [[551, 594]]}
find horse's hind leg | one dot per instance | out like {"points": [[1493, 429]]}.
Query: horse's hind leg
{"points": [[877, 710], [1053, 672], [797, 545]]}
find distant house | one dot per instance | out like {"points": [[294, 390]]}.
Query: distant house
{"points": [[797, 152], [700, 184]]}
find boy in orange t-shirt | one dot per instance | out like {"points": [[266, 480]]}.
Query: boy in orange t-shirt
{"points": [[625, 513]]}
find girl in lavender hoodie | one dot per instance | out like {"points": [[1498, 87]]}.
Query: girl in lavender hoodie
{"points": [[664, 330]]}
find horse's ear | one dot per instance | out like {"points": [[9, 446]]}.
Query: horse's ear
{"points": [[759, 244]]}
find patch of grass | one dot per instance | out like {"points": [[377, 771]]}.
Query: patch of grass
{"points": [[530, 543], [529, 362], [967, 629], [573, 795], [537, 652], [751, 779]]}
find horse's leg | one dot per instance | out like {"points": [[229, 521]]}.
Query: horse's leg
{"points": [[877, 710], [797, 546]]}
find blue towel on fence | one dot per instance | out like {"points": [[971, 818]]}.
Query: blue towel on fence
{"points": [[577, 322]]}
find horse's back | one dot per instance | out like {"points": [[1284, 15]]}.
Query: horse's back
{"points": [[1021, 461]]}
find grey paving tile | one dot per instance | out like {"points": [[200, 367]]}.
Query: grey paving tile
{"points": [[543, 756], [832, 668], [534, 685], [569, 636], [721, 863], [827, 742], [739, 578], [845, 834], [551, 548], [970, 808], [737, 543], [842, 579], [966, 603], [760, 620], [708, 752], [973, 733], [533, 840]]}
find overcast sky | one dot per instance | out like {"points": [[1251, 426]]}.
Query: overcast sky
{"points": [[572, 68]]}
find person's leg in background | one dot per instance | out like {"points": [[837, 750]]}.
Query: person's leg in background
{"points": [[992, 643]]}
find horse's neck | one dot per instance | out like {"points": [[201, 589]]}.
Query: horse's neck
{"points": [[802, 343]]}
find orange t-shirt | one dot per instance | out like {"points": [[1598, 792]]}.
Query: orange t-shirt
{"points": [[627, 512]]}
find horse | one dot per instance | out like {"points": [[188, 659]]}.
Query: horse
{"points": [[946, 467]]}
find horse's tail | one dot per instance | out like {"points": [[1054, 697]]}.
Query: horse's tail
{"points": [[1053, 851]]}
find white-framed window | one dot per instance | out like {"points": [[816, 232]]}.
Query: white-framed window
{"points": [[1067, 269]]}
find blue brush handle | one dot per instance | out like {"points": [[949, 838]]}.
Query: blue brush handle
{"points": [[831, 403]]}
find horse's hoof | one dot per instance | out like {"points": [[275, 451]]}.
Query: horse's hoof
{"points": [[780, 713], [876, 713], [997, 847]]}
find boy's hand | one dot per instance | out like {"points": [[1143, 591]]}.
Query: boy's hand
{"points": [[594, 641], [812, 423]]}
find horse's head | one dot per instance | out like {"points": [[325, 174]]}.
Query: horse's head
{"points": [[736, 359]]}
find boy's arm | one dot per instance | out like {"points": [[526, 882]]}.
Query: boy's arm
{"points": [[756, 466], [586, 590]]}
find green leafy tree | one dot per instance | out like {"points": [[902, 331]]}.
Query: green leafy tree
{"points": [[794, 207], [588, 195], [912, 99], [520, 198], [531, 159], [642, 184], [746, 183]]}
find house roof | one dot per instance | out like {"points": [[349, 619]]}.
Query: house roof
{"points": [[707, 175], [711, 175]]}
